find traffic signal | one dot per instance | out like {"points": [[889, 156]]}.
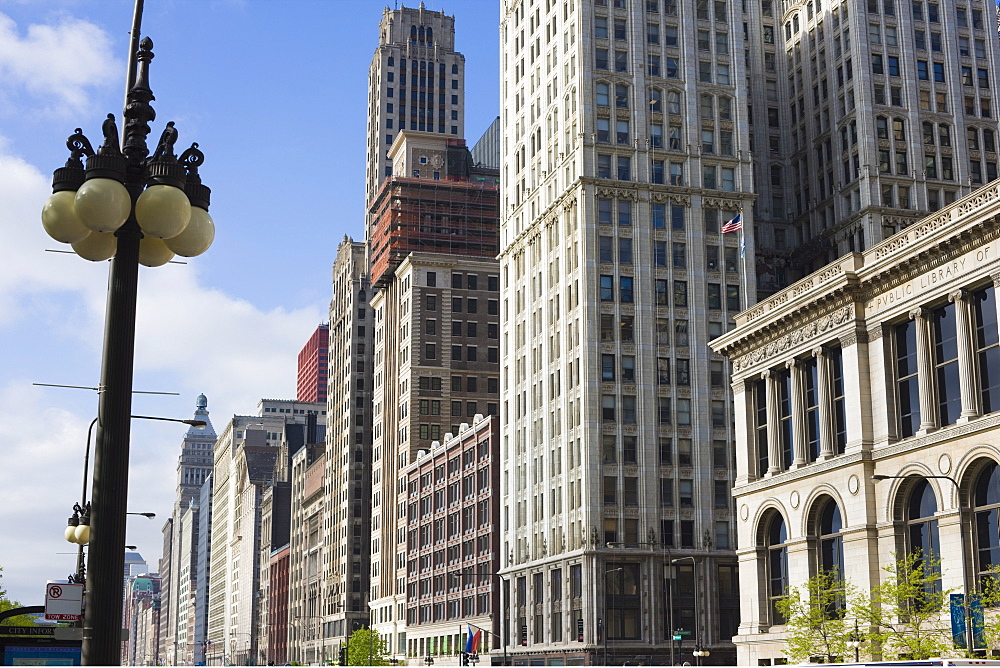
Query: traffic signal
{"points": [[464, 659], [343, 656]]}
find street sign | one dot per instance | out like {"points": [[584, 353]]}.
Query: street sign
{"points": [[28, 630], [681, 632], [64, 601], [677, 636]]}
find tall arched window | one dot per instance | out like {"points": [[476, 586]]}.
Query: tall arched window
{"points": [[777, 565], [986, 510], [922, 527]]}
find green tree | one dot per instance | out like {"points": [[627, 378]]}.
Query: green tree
{"points": [[6, 604], [816, 618], [989, 595], [367, 648], [907, 616]]}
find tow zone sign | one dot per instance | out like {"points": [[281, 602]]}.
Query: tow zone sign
{"points": [[63, 602]]}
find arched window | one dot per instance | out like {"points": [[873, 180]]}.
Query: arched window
{"points": [[922, 527], [777, 565], [430, 37], [413, 34], [986, 511]]}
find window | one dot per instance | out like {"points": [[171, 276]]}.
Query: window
{"points": [[945, 330], [760, 426], [775, 536], [922, 528], [987, 348], [785, 426], [986, 510], [602, 94]]}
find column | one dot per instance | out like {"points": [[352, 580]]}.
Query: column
{"points": [[773, 421], [799, 437], [965, 334], [925, 370], [824, 395]]}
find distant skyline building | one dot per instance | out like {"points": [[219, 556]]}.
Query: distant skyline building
{"points": [[416, 81], [180, 554], [313, 366], [251, 452]]}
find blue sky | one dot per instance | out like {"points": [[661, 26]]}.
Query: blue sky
{"points": [[275, 93]]}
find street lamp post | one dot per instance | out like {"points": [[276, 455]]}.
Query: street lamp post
{"points": [[133, 208], [967, 631], [78, 527]]}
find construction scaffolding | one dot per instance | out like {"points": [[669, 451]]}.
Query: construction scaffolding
{"points": [[440, 216]]}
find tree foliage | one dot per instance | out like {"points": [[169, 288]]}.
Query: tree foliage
{"points": [[367, 648], [816, 618], [907, 614]]}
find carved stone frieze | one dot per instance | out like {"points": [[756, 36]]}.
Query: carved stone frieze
{"points": [[721, 203], [778, 346]]}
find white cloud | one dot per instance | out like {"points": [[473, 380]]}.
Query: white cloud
{"points": [[53, 65], [190, 338]]}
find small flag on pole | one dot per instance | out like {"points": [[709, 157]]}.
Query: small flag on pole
{"points": [[469, 643], [734, 225]]}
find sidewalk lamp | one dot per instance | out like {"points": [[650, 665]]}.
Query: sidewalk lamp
{"points": [[700, 652], [131, 207], [854, 642]]}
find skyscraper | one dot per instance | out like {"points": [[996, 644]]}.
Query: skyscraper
{"points": [[625, 149], [632, 130], [416, 82], [864, 117]]}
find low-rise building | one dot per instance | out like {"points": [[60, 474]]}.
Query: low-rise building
{"points": [[883, 364], [452, 544]]}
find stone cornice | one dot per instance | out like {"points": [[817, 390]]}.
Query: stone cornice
{"points": [[856, 279]]}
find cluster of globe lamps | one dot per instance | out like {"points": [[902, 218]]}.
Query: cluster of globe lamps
{"points": [[89, 205]]}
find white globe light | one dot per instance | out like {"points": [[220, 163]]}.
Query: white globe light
{"points": [[83, 534], [153, 252], [97, 247], [103, 205], [70, 533], [60, 220], [162, 211], [196, 237]]}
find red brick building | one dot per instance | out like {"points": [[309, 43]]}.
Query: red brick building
{"points": [[314, 366]]}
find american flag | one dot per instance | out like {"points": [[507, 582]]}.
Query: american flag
{"points": [[734, 225]]}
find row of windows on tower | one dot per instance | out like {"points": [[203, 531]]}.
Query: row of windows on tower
{"points": [[707, 40], [658, 66]]}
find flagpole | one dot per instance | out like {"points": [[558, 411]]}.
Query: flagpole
{"points": [[743, 272]]}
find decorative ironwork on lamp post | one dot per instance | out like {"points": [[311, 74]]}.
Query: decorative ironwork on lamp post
{"points": [[131, 207]]}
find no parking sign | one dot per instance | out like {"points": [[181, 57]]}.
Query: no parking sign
{"points": [[63, 601]]}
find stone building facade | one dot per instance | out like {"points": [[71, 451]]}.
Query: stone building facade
{"points": [[883, 363]]}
